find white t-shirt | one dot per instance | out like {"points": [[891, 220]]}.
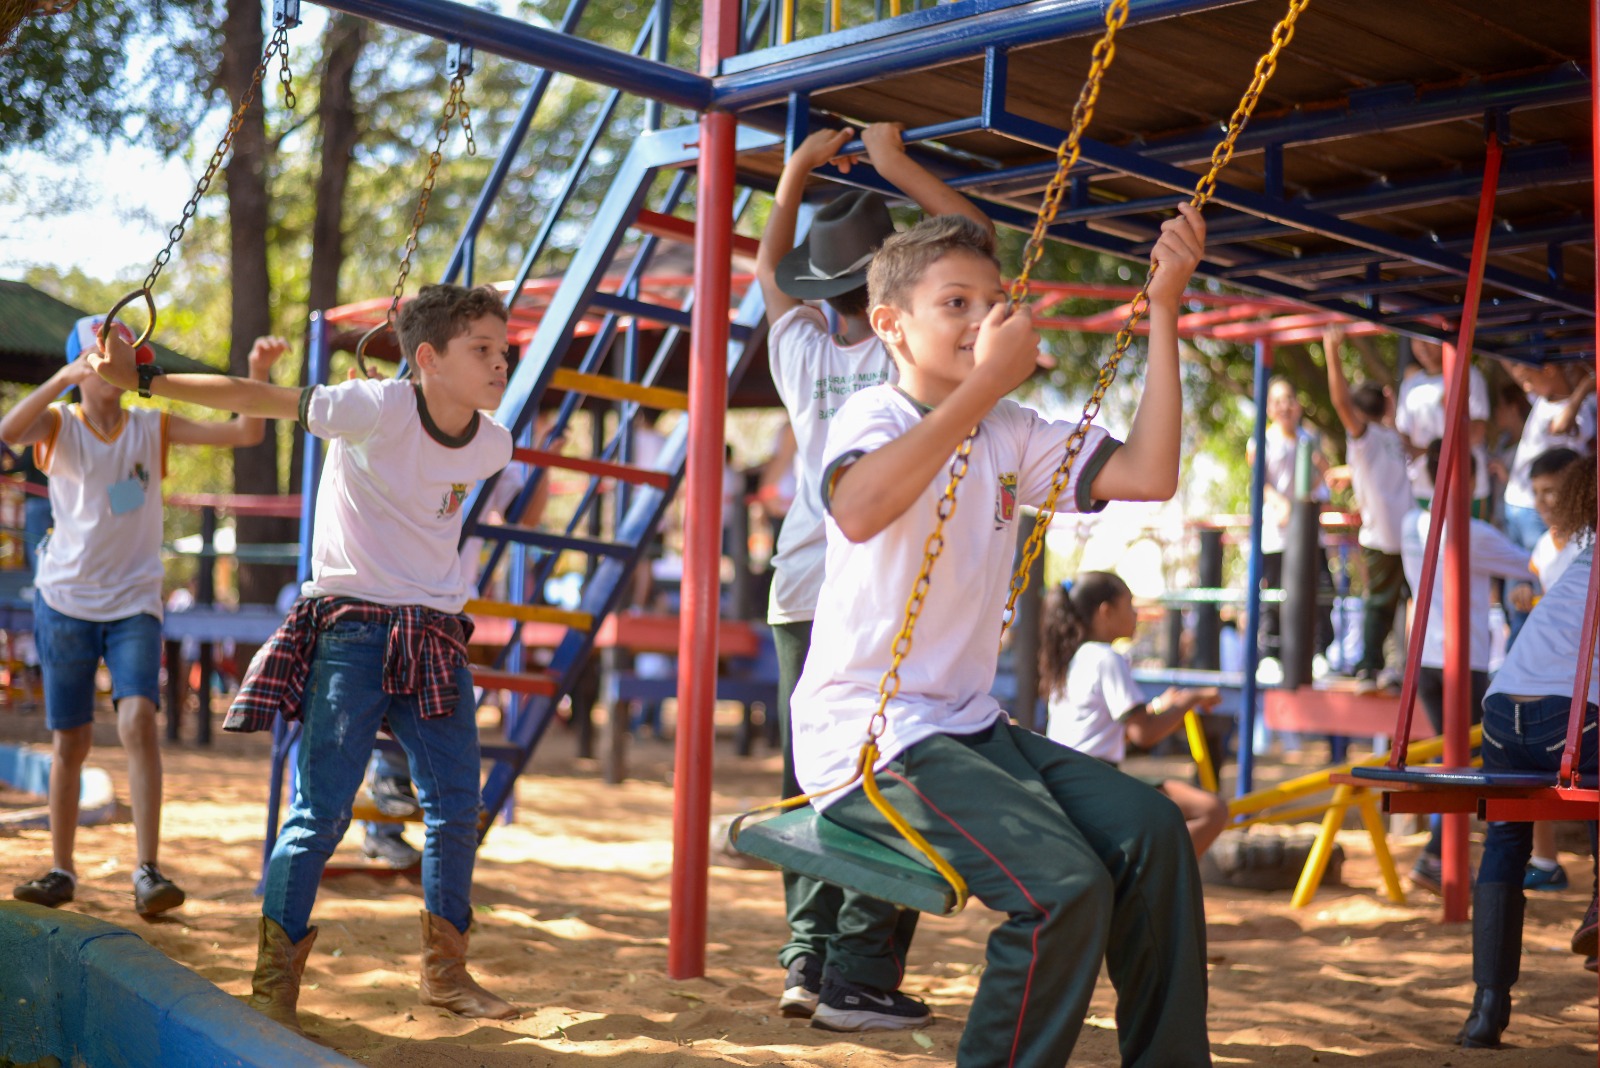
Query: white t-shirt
{"points": [[1419, 415], [1537, 440], [501, 496], [1541, 662], [1493, 555], [388, 520], [1550, 563], [1088, 711], [102, 560], [814, 375], [945, 681], [1382, 486], [1282, 451]]}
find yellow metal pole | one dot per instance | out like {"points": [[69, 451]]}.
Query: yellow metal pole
{"points": [[1321, 849], [1200, 751], [1373, 819]]}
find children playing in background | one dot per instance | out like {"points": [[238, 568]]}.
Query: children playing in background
{"points": [[1525, 717], [1087, 864], [1382, 488], [1492, 556], [97, 587], [1097, 707], [846, 952], [378, 635]]}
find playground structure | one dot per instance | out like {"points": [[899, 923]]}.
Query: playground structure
{"points": [[975, 84]]}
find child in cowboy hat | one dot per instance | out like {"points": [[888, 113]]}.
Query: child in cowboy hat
{"points": [[846, 953]]}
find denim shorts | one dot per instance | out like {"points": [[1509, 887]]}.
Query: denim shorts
{"points": [[70, 649]]}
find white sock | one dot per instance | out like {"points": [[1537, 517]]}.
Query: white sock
{"points": [[1544, 863], [71, 878]]}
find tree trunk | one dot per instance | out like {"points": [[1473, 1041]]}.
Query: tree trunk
{"points": [[255, 469], [342, 43]]}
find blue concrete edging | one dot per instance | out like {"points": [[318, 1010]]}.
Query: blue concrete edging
{"points": [[27, 768], [87, 992]]}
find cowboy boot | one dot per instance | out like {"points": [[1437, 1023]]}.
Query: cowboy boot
{"points": [[445, 981], [275, 987], [1496, 962]]}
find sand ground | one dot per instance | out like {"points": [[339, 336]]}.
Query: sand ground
{"points": [[572, 903]]}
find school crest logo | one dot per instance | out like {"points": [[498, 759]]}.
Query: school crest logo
{"points": [[143, 475], [451, 504], [1005, 502]]}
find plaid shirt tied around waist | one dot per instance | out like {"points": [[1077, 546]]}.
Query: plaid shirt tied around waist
{"points": [[424, 650]]}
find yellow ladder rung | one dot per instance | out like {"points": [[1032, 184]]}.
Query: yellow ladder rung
{"points": [[612, 389], [530, 613]]}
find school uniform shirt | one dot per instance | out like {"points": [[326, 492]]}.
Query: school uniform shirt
{"points": [[814, 375], [1550, 563], [1541, 662], [102, 560], [498, 501], [945, 681], [1419, 415], [388, 520], [1537, 439], [1088, 712], [1382, 486], [1493, 555], [1282, 451]]}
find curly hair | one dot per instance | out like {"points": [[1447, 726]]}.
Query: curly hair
{"points": [[1068, 612], [1574, 512], [441, 312]]}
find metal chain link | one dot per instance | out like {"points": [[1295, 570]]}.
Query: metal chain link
{"points": [[1204, 189]]}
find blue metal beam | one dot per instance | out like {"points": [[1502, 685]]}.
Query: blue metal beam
{"points": [[944, 34], [514, 39], [1503, 240]]}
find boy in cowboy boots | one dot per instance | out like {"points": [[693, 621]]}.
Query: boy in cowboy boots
{"points": [[378, 633]]}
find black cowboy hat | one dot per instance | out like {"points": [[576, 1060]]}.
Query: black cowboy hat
{"points": [[833, 258]]}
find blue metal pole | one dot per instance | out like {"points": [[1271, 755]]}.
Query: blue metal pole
{"points": [[311, 454], [563, 53], [1252, 582]]}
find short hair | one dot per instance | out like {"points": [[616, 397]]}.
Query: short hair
{"points": [[1552, 462], [905, 257], [853, 303], [441, 312], [1436, 449], [1370, 401]]}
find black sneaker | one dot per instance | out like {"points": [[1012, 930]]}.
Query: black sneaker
{"points": [[1586, 940], [391, 850], [54, 887], [153, 892], [801, 987], [394, 796], [847, 1006]]}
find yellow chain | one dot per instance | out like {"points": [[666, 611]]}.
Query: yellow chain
{"points": [[455, 103], [1204, 189], [277, 46]]}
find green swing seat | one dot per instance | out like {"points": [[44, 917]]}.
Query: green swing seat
{"points": [[801, 841]]}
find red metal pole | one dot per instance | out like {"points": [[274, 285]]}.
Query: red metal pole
{"points": [[1456, 514], [702, 535]]}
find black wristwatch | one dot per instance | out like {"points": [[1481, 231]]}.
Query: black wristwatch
{"points": [[147, 371]]}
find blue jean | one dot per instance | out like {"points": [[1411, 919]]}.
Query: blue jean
{"points": [[345, 704], [1524, 527], [1526, 736], [71, 648]]}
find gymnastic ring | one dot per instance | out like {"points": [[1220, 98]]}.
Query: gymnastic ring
{"points": [[111, 317], [361, 347]]}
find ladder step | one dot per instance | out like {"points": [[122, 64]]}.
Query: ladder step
{"points": [[541, 539], [611, 389], [673, 228], [530, 613], [536, 682], [603, 468]]}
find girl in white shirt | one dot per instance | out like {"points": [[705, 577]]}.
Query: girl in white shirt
{"points": [[1095, 704], [1525, 717]]}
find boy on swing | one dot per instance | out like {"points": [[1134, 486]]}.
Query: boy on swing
{"points": [[1088, 863], [377, 635]]}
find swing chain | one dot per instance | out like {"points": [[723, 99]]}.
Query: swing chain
{"points": [[278, 46], [1105, 50], [1204, 189]]}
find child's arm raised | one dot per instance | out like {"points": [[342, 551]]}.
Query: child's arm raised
{"points": [[777, 240], [1355, 423], [887, 154], [877, 488], [246, 396], [1146, 467], [247, 429], [29, 420]]}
